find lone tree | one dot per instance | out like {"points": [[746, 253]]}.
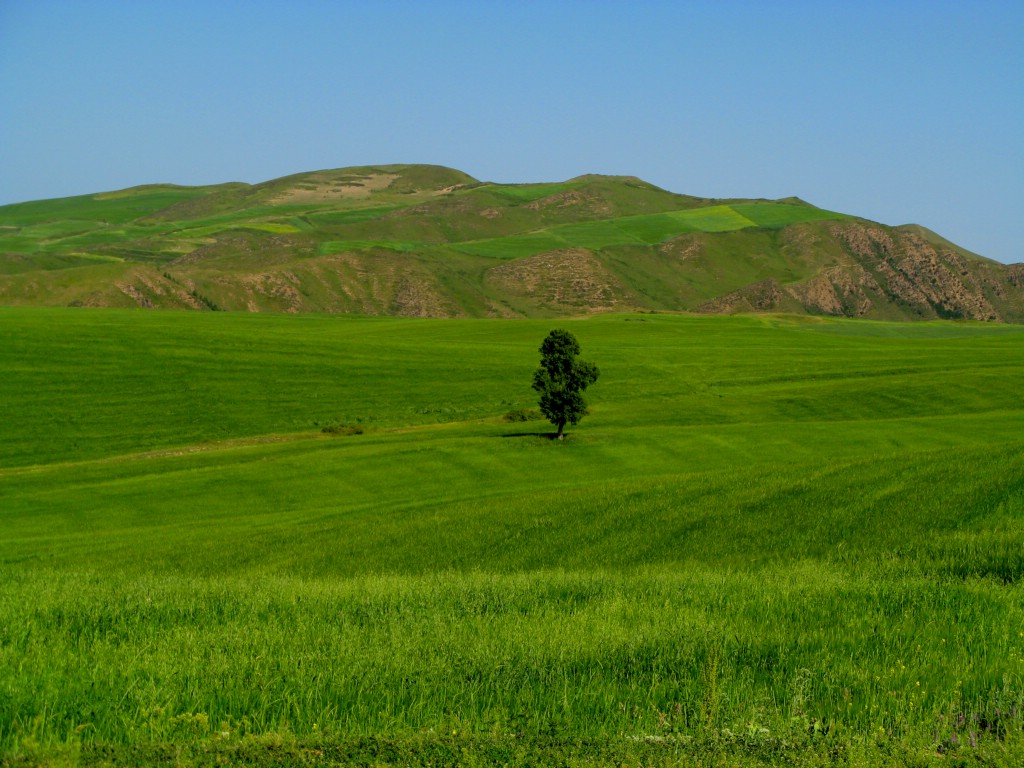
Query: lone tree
{"points": [[561, 380]]}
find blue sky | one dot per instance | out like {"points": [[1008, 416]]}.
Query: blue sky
{"points": [[896, 111]]}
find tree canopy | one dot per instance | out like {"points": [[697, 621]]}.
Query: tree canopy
{"points": [[561, 379]]}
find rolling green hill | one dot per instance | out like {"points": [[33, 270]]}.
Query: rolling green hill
{"points": [[775, 540], [414, 240]]}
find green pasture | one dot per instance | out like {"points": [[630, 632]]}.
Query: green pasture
{"points": [[119, 220], [328, 219], [12, 264], [109, 208], [274, 228], [773, 541], [340, 246], [524, 193], [647, 229], [777, 215]]}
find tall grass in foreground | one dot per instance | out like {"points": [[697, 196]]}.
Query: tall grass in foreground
{"points": [[592, 654]]}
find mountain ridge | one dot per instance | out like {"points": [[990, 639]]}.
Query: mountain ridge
{"points": [[427, 240]]}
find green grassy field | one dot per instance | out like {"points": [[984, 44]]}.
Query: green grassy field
{"points": [[649, 229], [774, 541]]}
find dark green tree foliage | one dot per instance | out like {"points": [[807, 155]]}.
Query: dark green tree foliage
{"points": [[561, 379]]}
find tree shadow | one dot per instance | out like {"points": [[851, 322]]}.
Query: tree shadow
{"points": [[547, 435]]}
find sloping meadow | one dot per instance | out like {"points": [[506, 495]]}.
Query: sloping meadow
{"points": [[771, 540]]}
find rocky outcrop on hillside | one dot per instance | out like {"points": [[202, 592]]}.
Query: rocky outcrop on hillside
{"points": [[882, 272], [930, 280]]}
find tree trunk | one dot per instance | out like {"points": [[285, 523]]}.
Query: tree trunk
{"points": [[561, 428]]}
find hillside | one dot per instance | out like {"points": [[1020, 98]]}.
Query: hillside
{"points": [[416, 240]]}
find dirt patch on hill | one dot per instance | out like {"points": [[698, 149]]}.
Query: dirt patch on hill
{"points": [[417, 297], [248, 249], [807, 242], [572, 279], [382, 284], [764, 296], [448, 190], [1015, 274], [149, 290], [315, 191], [275, 291], [133, 293], [683, 248], [572, 198], [843, 290]]}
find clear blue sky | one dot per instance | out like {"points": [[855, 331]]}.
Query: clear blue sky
{"points": [[896, 111]]}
